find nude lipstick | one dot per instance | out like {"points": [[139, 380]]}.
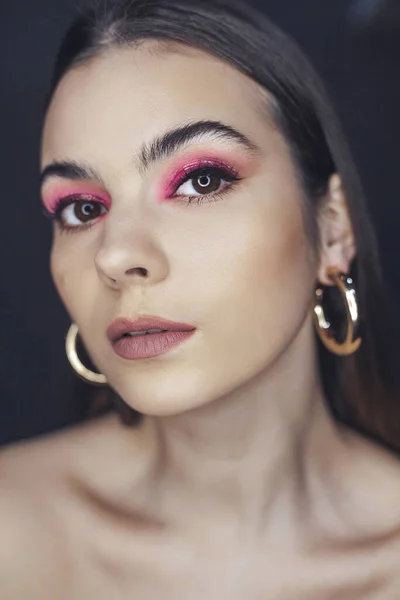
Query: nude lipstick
{"points": [[146, 337]]}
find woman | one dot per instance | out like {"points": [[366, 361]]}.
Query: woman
{"points": [[213, 249]]}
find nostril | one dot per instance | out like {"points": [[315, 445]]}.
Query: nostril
{"points": [[140, 271]]}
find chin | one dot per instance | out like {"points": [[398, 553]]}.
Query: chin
{"points": [[163, 394], [171, 388]]}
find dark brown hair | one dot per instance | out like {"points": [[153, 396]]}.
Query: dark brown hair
{"points": [[363, 389]]}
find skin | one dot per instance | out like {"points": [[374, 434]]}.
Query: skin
{"points": [[238, 482]]}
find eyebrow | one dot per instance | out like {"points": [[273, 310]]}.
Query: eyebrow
{"points": [[160, 148]]}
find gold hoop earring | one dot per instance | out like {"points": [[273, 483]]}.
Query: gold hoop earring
{"points": [[352, 342], [75, 362]]}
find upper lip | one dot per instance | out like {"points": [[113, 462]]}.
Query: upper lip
{"points": [[122, 326]]}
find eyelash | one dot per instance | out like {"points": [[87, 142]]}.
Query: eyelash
{"points": [[230, 176]]}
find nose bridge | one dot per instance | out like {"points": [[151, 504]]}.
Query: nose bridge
{"points": [[130, 248]]}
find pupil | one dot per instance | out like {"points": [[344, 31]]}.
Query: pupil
{"points": [[85, 211], [207, 182], [204, 180]]}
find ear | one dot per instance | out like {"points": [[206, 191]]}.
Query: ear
{"points": [[337, 244]]}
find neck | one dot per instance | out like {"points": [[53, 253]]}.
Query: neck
{"points": [[264, 447]]}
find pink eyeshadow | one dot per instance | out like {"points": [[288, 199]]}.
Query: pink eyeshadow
{"points": [[60, 190], [219, 158]]}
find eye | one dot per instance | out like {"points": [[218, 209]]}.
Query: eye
{"points": [[204, 182], [73, 213]]}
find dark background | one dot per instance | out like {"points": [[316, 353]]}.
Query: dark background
{"points": [[355, 46]]}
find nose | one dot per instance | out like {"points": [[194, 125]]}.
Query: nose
{"points": [[129, 257]]}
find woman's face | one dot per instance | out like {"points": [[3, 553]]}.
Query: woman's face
{"points": [[208, 231]]}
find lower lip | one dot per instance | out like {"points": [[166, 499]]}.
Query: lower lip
{"points": [[150, 345]]}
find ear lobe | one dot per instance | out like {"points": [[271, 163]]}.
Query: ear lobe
{"points": [[337, 243]]}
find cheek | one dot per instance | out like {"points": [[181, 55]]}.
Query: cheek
{"points": [[70, 273], [280, 256], [257, 276], [61, 275], [57, 270], [265, 248]]}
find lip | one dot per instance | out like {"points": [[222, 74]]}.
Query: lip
{"points": [[147, 345], [122, 326]]}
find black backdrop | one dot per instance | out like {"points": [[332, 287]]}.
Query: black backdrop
{"points": [[362, 72]]}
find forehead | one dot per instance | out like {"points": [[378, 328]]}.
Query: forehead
{"points": [[127, 95]]}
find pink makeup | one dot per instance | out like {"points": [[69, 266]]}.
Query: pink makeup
{"points": [[59, 191], [178, 169], [234, 165]]}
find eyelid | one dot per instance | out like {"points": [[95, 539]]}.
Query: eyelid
{"points": [[59, 189], [203, 164], [63, 203], [183, 173], [225, 175]]}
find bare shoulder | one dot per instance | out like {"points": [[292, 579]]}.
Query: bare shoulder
{"points": [[41, 513], [48, 462], [32, 472]]}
